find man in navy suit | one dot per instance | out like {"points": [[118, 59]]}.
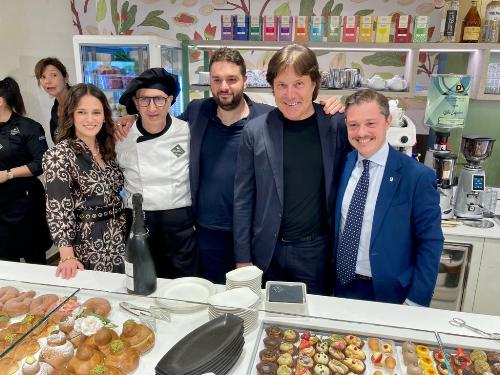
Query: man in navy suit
{"points": [[400, 241], [288, 165]]}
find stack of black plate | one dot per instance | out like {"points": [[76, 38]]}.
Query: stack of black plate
{"points": [[213, 347]]}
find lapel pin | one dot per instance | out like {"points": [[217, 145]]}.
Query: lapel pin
{"points": [[391, 179]]}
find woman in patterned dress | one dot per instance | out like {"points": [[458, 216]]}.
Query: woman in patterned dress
{"points": [[83, 183]]}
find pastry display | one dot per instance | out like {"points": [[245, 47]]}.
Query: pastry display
{"points": [[422, 351], [8, 366], [287, 347], [285, 359], [272, 343], [290, 335], [4, 319], [267, 368], [122, 356], [138, 336], [102, 369], [284, 370], [19, 305], [321, 370], [354, 340], [374, 344]]}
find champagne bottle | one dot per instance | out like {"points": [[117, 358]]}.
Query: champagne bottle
{"points": [[471, 26], [139, 266]]}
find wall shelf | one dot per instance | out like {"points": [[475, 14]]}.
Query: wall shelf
{"points": [[477, 66]]}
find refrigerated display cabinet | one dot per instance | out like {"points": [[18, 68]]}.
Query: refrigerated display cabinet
{"points": [[111, 62]]}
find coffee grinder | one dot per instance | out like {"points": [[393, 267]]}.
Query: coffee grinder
{"points": [[472, 179], [444, 163]]}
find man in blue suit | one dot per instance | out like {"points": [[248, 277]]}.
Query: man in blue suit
{"points": [[388, 238], [288, 165]]}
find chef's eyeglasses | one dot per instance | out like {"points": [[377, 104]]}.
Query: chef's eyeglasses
{"points": [[144, 101]]}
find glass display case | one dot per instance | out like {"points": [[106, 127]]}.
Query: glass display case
{"points": [[111, 62], [181, 320]]}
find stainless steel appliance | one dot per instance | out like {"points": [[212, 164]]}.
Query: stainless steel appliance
{"points": [[452, 276], [444, 164], [472, 179]]}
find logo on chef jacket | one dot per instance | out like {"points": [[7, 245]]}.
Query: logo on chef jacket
{"points": [[15, 131], [178, 150]]}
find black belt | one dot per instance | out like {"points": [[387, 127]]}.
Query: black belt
{"points": [[363, 277], [98, 214], [305, 238]]}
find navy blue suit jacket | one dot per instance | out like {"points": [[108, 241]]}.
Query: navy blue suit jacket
{"points": [[197, 114], [258, 190], [406, 239]]}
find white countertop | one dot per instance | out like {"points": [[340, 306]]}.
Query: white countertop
{"points": [[322, 311], [468, 231]]}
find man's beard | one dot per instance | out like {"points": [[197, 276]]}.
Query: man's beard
{"points": [[229, 106]]}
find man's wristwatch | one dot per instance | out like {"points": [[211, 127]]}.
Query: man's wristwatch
{"points": [[10, 175]]}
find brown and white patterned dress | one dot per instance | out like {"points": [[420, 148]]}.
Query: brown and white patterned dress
{"points": [[75, 182]]}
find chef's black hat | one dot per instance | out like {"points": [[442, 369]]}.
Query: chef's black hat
{"points": [[154, 78]]}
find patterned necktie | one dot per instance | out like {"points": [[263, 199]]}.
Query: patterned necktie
{"points": [[347, 253]]}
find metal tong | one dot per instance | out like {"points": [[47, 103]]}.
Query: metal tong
{"points": [[147, 316], [457, 322]]}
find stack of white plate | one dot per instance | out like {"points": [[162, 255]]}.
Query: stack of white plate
{"points": [[241, 302], [250, 277]]}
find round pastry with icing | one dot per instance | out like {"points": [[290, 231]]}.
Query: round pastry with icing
{"points": [[310, 351], [321, 358], [32, 367], [288, 347], [271, 342], [338, 342], [430, 371], [305, 361], [274, 331], [353, 351], [58, 350], [290, 335], [495, 368], [478, 355], [96, 306], [337, 367], [267, 368], [481, 366], [441, 367], [355, 365], [85, 359], [422, 351], [138, 336], [285, 359], [492, 357], [102, 339], [438, 355], [66, 324], [284, 370], [322, 347], [122, 356], [268, 355], [354, 340], [336, 353], [102, 369], [321, 370]]}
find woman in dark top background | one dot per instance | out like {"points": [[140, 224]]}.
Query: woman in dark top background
{"points": [[23, 229], [52, 76]]}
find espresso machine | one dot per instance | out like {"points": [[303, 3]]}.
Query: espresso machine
{"points": [[444, 163], [472, 179]]}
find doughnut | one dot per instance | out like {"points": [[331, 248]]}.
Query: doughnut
{"points": [[41, 304], [19, 305], [96, 306]]}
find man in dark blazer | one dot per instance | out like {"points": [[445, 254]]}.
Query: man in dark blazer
{"points": [[287, 171], [399, 238], [216, 124]]}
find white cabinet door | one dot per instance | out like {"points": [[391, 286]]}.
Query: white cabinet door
{"points": [[486, 300]]}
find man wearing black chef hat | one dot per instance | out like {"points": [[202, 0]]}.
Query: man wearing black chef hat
{"points": [[155, 161]]}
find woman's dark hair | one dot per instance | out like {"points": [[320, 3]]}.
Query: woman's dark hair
{"points": [[54, 61], [9, 90], [66, 125]]}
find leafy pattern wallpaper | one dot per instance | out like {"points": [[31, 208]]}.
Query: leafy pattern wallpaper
{"points": [[200, 20]]}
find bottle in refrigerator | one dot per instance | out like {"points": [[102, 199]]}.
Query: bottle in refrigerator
{"points": [[491, 25], [471, 25], [449, 22], [139, 266]]}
